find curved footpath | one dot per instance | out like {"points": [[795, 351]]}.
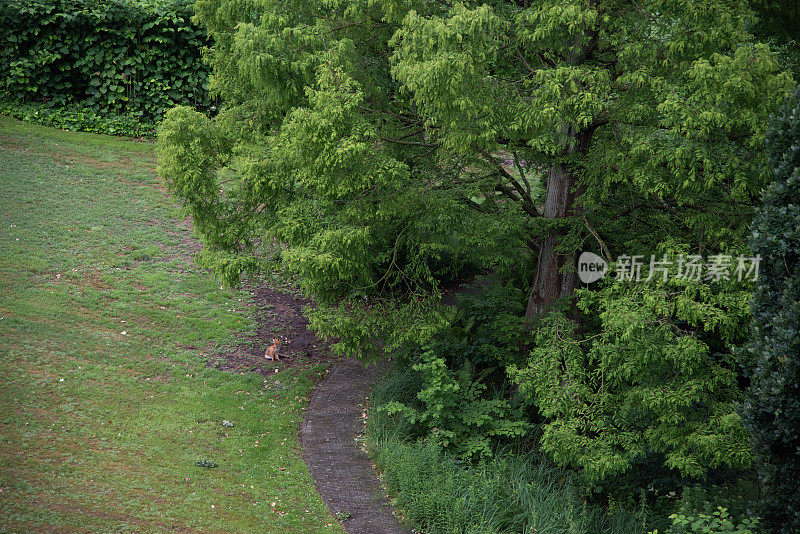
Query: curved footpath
{"points": [[342, 471]]}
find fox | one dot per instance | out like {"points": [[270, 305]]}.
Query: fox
{"points": [[273, 351]]}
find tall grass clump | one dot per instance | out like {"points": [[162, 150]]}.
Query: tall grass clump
{"points": [[511, 492]]}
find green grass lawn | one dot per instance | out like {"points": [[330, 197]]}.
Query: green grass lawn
{"points": [[106, 402]]}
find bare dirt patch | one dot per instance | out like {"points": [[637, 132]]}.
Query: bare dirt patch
{"points": [[277, 309], [11, 144]]}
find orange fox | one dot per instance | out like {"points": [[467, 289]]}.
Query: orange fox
{"points": [[273, 351]]}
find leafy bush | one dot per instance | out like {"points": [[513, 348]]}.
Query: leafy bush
{"points": [[464, 402], [719, 522], [508, 493], [116, 56], [645, 381], [772, 407], [455, 412]]}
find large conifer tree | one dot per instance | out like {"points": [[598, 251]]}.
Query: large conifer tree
{"points": [[382, 147], [772, 407]]}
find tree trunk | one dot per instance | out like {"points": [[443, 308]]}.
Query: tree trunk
{"points": [[549, 284], [563, 190]]}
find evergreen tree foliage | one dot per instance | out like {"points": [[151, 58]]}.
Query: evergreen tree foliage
{"points": [[772, 407], [644, 385]]}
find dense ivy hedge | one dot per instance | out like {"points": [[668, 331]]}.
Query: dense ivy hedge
{"points": [[109, 56]]}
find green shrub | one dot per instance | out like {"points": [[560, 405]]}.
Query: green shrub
{"points": [[508, 493], [719, 522], [456, 412], [110, 56], [650, 376], [772, 407], [464, 402], [735, 496]]}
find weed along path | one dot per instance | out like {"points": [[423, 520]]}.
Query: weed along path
{"points": [[343, 472]]}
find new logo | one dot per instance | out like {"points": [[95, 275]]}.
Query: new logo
{"points": [[591, 267]]}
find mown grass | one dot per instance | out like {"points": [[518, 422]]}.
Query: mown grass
{"points": [[507, 493], [106, 325]]}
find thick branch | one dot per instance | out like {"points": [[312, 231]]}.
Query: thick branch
{"points": [[401, 142], [527, 207], [527, 202]]}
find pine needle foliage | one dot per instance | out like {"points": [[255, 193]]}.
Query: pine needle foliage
{"points": [[772, 407]]}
